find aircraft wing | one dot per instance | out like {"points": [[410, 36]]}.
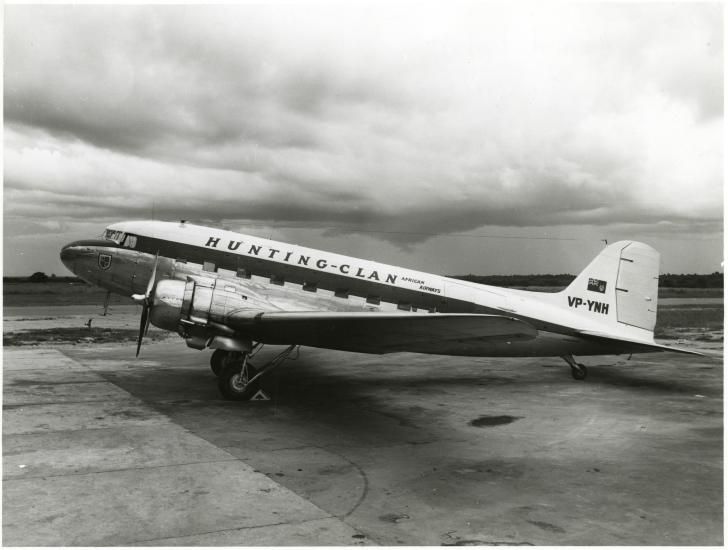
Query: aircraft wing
{"points": [[381, 332], [637, 344]]}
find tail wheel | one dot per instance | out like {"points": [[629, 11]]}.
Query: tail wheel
{"points": [[579, 373], [234, 381]]}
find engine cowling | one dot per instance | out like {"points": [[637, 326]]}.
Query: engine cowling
{"points": [[166, 309], [199, 309]]}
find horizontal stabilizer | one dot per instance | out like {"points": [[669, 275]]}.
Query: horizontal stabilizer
{"points": [[383, 332], [638, 344]]}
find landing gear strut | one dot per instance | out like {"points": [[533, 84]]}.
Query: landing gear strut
{"points": [[239, 380], [221, 357], [578, 370]]}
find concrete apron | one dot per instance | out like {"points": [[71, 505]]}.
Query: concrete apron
{"points": [[87, 464]]}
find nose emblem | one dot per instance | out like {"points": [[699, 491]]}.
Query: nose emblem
{"points": [[104, 261]]}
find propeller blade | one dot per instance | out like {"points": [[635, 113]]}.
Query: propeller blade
{"points": [[146, 325], [146, 301], [143, 325], [150, 284]]}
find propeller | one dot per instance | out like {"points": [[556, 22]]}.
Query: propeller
{"points": [[146, 301]]}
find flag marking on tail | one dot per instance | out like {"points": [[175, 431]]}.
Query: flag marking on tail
{"points": [[597, 285]]}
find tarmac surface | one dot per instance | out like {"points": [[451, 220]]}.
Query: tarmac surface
{"points": [[100, 448]]}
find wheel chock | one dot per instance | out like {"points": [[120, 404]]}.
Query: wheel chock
{"points": [[260, 396]]}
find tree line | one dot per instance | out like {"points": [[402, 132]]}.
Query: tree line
{"points": [[667, 280]]}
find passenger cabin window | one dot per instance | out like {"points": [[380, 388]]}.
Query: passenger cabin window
{"points": [[309, 287], [342, 293], [376, 300], [277, 280], [243, 273], [209, 266], [404, 306]]}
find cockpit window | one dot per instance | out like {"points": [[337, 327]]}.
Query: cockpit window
{"points": [[129, 241], [114, 235]]}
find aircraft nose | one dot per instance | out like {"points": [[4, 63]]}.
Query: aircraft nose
{"points": [[74, 254], [69, 254], [84, 258]]}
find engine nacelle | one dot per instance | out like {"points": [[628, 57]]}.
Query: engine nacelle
{"points": [[200, 308]]}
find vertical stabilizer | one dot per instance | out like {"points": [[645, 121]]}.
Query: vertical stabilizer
{"points": [[618, 288]]}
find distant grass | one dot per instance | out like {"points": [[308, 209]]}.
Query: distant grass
{"points": [[678, 321], [690, 293], [80, 335], [704, 316], [57, 294]]}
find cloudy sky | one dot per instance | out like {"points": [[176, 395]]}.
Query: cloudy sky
{"points": [[450, 137]]}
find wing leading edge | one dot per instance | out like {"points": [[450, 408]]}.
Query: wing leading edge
{"points": [[382, 332]]}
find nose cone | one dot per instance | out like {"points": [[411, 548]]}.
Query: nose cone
{"points": [[81, 256], [69, 254]]}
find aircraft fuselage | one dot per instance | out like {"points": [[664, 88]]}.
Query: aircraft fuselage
{"points": [[305, 279]]}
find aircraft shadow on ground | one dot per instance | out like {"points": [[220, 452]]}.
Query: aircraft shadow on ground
{"points": [[304, 379], [641, 379], [314, 405], [361, 396], [368, 406]]}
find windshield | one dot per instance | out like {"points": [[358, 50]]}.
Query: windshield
{"points": [[114, 235]]}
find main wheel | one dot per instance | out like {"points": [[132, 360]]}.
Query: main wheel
{"points": [[217, 360], [580, 373], [235, 385]]}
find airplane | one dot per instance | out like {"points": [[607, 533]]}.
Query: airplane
{"points": [[232, 293]]}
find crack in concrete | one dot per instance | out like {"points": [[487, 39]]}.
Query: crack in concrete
{"points": [[113, 470]]}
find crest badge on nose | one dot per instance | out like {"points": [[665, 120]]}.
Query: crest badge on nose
{"points": [[104, 261]]}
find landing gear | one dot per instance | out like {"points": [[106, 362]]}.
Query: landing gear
{"points": [[217, 360], [221, 357], [238, 379], [578, 370], [579, 373]]}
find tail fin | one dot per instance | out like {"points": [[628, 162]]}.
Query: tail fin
{"points": [[619, 288]]}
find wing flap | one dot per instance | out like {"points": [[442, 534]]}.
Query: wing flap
{"points": [[382, 332]]}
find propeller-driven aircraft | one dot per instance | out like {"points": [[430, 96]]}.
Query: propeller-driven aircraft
{"points": [[232, 293]]}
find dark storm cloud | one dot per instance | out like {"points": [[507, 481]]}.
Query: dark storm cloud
{"points": [[436, 121], [159, 79]]}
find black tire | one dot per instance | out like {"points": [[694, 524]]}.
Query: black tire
{"points": [[232, 387], [580, 373], [217, 360]]}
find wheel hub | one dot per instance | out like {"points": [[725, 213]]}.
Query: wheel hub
{"points": [[239, 381]]}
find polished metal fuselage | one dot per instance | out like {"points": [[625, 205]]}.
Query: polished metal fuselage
{"points": [[127, 271]]}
